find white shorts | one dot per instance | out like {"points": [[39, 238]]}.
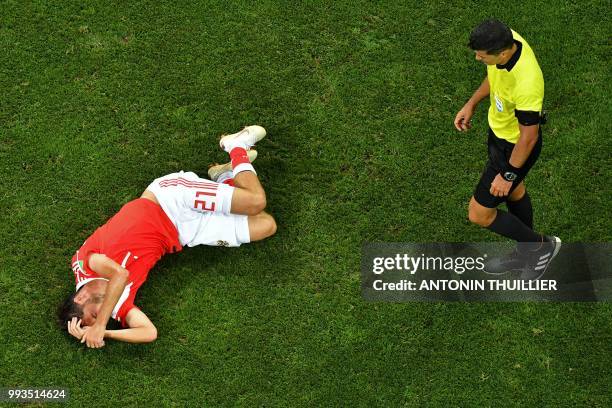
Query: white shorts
{"points": [[200, 210]]}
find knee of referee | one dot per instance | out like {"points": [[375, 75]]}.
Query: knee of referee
{"points": [[481, 215], [518, 193]]}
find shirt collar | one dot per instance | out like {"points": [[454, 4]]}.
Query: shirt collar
{"points": [[514, 59]]}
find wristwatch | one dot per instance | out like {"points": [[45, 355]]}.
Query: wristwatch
{"points": [[509, 175], [509, 172]]}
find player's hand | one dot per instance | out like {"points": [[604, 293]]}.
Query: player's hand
{"points": [[94, 336], [500, 187], [75, 329], [463, 120]]}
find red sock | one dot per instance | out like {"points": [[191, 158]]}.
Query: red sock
{"points": [[238, 156], [229, 182]]}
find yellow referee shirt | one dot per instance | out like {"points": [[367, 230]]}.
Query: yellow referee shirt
{"points": [[516, 92]]}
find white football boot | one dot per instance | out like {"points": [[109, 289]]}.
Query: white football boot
{"points": [[247, 136], [216, 171]]}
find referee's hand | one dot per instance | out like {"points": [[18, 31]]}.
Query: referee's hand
{"points": [[463, 120], [500, 187]]}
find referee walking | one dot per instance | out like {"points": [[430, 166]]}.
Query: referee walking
{"points": [[515, 87]]}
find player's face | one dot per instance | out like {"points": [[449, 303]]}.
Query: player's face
{"points": [[91, 310], [486, 58]]}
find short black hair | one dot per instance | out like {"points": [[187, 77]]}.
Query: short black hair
{"points": [[68, 310], [491, 36]]}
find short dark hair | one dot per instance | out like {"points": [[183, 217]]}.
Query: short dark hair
{"points": [[68, 310], [491, 36]]}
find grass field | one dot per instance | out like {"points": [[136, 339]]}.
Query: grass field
{"points": [[99, 98]]}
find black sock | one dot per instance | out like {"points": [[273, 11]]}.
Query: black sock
{"points": [[522, 209], [511, 227]]}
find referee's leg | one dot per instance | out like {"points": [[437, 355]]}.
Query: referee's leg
{"points": [[479, 214], [518, 192], [519, 204], [501, 222], [483, 209]]}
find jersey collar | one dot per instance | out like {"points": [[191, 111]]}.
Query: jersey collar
{"points": [[86, 281], [514, 59]]}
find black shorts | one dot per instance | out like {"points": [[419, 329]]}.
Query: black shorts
{"points": [[500, 151]]}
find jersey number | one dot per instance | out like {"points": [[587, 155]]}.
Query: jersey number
{"points": [[202, 204]]}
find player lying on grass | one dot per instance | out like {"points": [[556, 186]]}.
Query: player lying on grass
{"points": [[176, 210]]}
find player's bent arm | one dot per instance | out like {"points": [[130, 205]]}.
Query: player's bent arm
{"points": [[141, 329], [524, 146], [117, 279]]}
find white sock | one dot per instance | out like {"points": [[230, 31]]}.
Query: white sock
{"points": [[243, 167], [232, 144], [225, 176]]}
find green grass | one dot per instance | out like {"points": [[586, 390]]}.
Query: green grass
{"points": [[358, 98]]}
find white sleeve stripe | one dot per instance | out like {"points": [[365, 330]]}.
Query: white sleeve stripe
{"points": [[122, 299], [124, 262]]}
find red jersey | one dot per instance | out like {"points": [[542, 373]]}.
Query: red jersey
{"points": [[136, 238]]}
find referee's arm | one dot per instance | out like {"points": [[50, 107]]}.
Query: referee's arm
{"points": [[524, 146], [462, 119]]}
